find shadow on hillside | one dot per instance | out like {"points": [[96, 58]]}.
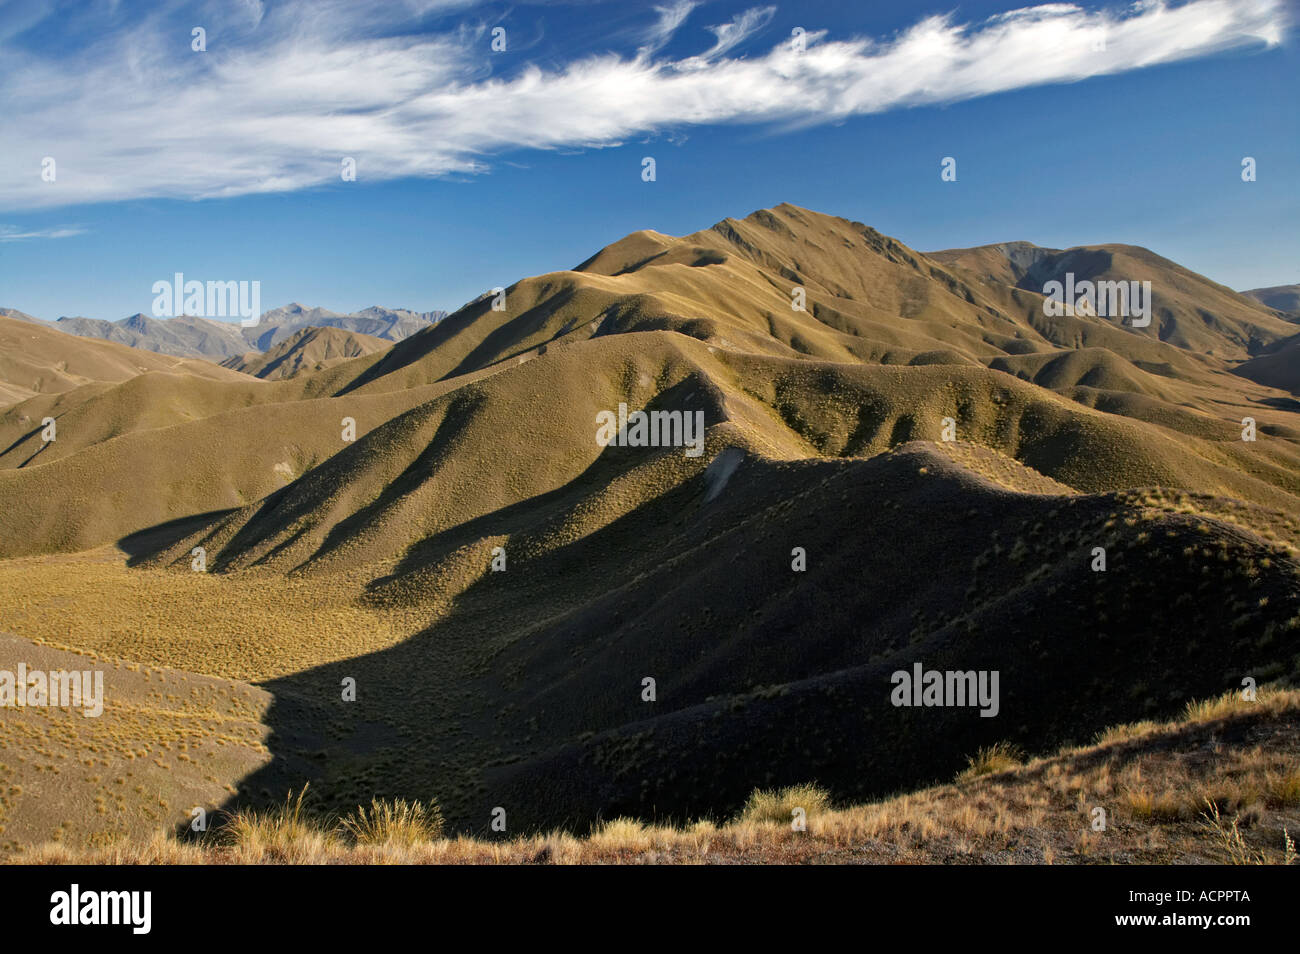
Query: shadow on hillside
{"points": [[141, 545], [528, 693], [1280, 403]]}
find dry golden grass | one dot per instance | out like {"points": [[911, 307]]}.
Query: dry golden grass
{"points": [[780, 805], [999, 757], [395, 822], [286, 833], [254, 627], [1039, 812], [166, 742], [372, 557]]}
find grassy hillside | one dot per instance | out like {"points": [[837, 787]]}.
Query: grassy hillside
{"points": [[36, 359], [918, 466], [1219, 785], [306, 351]]}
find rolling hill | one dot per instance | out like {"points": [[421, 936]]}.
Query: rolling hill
{"points": [[903, 460], [37, 360], [1282, 297], [305, 351], [1188, 310]]}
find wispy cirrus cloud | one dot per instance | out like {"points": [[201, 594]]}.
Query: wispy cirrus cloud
{"points": [[285, 91], [14, 233], [730, 35], [671, 18]]}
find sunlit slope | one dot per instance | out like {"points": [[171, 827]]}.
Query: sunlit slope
{"points": [[37, 359], [165, 742], [1188, 310], [495, 405], [123, 483], [306, 351], [866, 298], [491, 456], [444, 454]]}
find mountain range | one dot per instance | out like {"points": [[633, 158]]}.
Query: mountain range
{"points": [[188, 336], [908, 458]]}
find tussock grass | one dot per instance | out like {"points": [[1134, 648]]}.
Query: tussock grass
{"points": [[1282, 789], [999, 757], [396, 822], [288, 832], [1125, 732], [1169, 793], [778, 805], [1156, 808], [1205, 710]]}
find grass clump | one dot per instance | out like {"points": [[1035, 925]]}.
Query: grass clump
{"points": [[779, 804], [1125, 732], [398, 822], [288, 832], [1164, 808], [992, 758], [1283, 788]]}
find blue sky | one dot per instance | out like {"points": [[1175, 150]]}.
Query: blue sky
{"points": [[475, 167]]}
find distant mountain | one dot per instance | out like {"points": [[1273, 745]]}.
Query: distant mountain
{"points": [[20, 316], [390, 324], [37, 359], [187, 336], [306, 350], [1282, 297], [1188, 310]]}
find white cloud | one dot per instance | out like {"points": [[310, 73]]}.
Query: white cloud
{"points": [[14, 233], [730, 35], [670, 18], [275, 105]]}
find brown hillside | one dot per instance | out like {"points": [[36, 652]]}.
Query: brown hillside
{"points": [[372, 559], [1279, 368], [306, 351], [1189, 310], [166, 742], [37, 359]]}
